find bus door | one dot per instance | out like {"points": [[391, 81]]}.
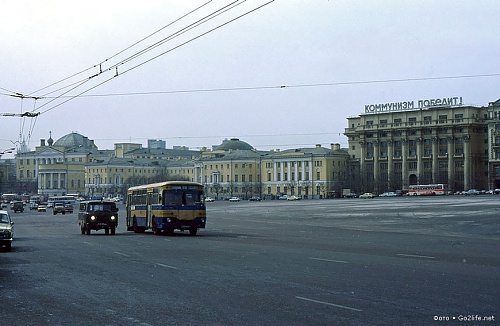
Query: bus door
{"points": [[149, 201]]}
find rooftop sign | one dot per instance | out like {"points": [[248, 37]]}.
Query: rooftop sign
{"points": [[410, 105]]}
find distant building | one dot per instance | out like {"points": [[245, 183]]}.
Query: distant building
{"points": [[57, 168], [235, 168], [154, 143], [317, 172]]}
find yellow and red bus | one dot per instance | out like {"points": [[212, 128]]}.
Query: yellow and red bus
{"points": [[165, 207], [427, 190]]}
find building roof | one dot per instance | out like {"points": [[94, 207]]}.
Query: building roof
{"points": [[233, 144], [75, 140]]}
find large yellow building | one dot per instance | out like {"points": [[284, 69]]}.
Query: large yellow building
{"points": [[237, 169]]}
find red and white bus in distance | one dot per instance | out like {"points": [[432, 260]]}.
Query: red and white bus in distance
{"points": [[427, 190]]}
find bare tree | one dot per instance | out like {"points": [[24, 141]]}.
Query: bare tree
{"points": [[218, 189]]}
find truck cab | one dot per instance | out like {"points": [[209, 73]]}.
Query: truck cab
{"points": [[97, 215]]}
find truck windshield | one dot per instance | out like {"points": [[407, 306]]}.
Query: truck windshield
{"points": [[101, 207]]}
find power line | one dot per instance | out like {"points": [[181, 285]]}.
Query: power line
{"points": [[224, 9], [282, 86], [120, 52]]}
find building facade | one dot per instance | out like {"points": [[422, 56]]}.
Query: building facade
{"points": [[235, 168], [306, 172], [453, 145]]}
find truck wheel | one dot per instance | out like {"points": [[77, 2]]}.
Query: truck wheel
{"points": [[82, 228], [8, 246], [87, 230], [113, 230], [193, 231]]}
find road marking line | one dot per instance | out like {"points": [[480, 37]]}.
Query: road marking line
{"points": [[121, 254], [328, 304], [416, 256], [330, 260], [166, 266]]}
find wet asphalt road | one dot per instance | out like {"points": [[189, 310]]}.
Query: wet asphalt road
{"points": [[385, 261]]}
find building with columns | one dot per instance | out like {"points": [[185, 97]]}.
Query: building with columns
{"points": [[235, 168], [316, 172], [455, 145], [58, 168]]}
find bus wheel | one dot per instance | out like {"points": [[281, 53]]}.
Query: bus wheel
{"points": [[193, 231], [113, 230], [106, 230]]}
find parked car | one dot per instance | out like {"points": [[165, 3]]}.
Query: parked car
{"points": [[6, 230], [284, 197], [472, 192], [254, 198], [367, 195], [388, 194], [209, 199], [293, 198], [234, 199], [351, 195]]}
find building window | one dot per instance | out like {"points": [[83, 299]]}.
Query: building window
{"points": [[443, 118]]}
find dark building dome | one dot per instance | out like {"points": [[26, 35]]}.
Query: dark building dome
{"points": [[75, 140], [234, 144]]}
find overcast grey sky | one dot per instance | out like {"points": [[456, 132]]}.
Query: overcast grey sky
{"points": [[226, 83]]}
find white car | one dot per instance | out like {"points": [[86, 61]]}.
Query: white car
{"points": [[388, 194], [209, 199], [234, 199]]}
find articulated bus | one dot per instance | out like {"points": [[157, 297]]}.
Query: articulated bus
{"points": [[427, 190], [166, 206]]}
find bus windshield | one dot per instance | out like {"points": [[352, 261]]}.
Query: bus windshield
{"points": [[182, 197]]}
